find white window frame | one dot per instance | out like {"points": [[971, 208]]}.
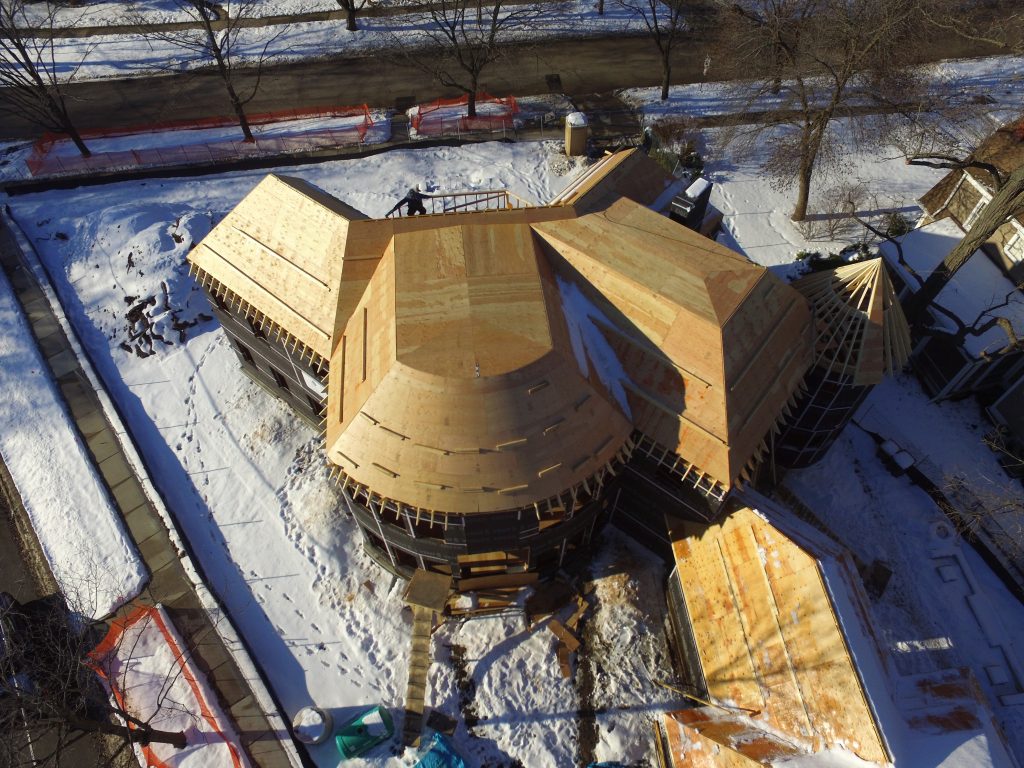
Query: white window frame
{"points": [[975, 212], [983, 198], [1014, 248]]}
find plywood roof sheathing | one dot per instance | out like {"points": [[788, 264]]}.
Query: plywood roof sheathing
{"points": [[464, 342]]}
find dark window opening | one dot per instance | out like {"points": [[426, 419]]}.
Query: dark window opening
{"points": [[244, 353], [281, 381], [316, 406], [257, 329]]}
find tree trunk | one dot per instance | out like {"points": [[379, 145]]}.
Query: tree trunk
{"points": [[600, 7], [666, 75], [1008, 201], [471, 106], [350, 17], [77, 139], [236, 104], [803, 191], [810, 142], [142, 735]]}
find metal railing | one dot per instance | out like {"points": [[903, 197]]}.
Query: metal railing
{"points": [[467, 202]]}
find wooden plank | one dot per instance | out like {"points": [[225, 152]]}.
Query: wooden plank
{"points": [[497, 580], [564, 660], [563, 634], [428, 590]]}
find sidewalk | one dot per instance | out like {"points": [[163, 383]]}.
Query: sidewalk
{"points": [[175, 582]]}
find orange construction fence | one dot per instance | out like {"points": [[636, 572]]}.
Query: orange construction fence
{"points": [[43, 161], [430, 119], [109, 644]]}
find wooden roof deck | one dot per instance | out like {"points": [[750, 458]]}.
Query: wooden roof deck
{"points": [[453, 381], [768, 637]]}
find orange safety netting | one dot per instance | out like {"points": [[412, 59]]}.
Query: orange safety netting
{"points": [[434, 119], [109, 645], [42, 160]]}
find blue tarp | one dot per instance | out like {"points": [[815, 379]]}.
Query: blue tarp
{"points": [[440, 754]]}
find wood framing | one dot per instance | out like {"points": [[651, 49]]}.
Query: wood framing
{"points": [[503, 363]]}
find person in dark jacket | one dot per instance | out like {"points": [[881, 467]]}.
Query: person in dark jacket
{"points": [[414, 199]]}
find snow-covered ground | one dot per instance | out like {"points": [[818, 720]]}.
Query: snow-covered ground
{"points": [[244, 478], [145, 666], [100, 56], [88, 550], [995, 84]]}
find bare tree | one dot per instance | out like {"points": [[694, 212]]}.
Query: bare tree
{"points": [[33, 87], [813, 60], [984, 509], [50, 695], [215, 35], [995, 23], [465, 37], [351, 8], [665, 21]]}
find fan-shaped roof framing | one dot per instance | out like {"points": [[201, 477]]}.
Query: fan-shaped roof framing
{"points": [[861, 331], [454, 385]]}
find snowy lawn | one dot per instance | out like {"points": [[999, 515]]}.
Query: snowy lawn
{"points": [[103, 56], [245, 479], [84, 541], [995, 83]]}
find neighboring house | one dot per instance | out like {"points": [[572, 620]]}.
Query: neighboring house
{"points": [[965, 350], [781, 661], [962, 193]]}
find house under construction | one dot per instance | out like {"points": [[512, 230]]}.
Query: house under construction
{"points": [[496, 379]]}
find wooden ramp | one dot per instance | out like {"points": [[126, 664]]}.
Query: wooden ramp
{"points": [[419, 663], [427, 594]]}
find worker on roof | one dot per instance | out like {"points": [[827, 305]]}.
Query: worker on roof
{"points": [[414, 199]]}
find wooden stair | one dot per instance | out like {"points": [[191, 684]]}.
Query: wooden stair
{"points": [[419, 663]]}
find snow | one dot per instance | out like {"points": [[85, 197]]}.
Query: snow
{"points": [[242, 476], [589, 345], [994, 83], [89, 552], [576, 119], [149, 669], [122, 55], [976, 287]]}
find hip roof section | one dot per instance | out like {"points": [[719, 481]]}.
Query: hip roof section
{"points": [[280, 249]]}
